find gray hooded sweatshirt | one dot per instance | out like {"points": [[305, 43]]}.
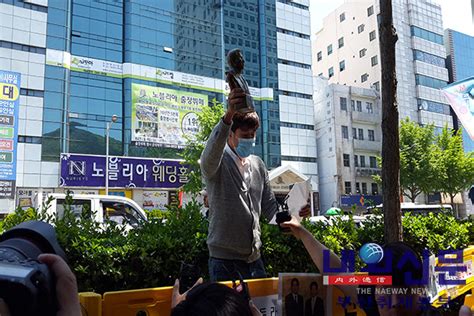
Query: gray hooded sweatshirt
{"points": [[234, 208]]}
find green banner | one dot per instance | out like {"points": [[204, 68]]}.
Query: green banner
{"points": [[6, 157], [164, 117]]}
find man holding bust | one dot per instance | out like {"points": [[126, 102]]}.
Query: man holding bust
{"points": [[238, 188]]}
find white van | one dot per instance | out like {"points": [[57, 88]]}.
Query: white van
{"points": [[104, 208]]}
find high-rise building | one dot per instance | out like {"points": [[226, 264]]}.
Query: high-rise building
{"points": [[84, 61], [347, 51], [460, 51], [349, 140]]}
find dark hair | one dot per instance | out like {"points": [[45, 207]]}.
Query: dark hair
{"points": [[295, 280], [245, 121], [313, 284], [213, 299]]}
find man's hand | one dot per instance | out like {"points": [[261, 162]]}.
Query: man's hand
{"points": [[66, 286], [305, 211], [295, 226], [178, 298], [236, 97]]}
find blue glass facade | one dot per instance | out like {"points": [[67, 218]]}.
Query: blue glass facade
{"points": [[251, 26], [178, 35], [461, 66]]}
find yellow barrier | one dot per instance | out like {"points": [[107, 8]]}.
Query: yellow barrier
{"points": [[157, 301]]}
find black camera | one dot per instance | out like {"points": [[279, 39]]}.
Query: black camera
{"points": [[26, 285], [283, 215]]}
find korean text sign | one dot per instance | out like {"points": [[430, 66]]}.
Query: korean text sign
{"points": [[10, 83], [124, 172], [164, 117]]}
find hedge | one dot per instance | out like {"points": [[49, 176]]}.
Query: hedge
{"points": [[109, 259]]}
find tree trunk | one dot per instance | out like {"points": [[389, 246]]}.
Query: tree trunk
{"points": [[390, 141]]}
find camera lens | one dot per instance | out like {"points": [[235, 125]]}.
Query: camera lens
{"points": [[28, 240]]}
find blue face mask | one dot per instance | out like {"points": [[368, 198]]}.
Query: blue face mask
{"points": [[245, 147]]}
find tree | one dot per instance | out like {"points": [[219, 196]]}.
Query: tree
{"points": [[191, 154], [454, 168], [390, 140], [417, 173]]}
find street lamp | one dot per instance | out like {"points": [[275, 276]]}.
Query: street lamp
{"points": [[107, 135]]}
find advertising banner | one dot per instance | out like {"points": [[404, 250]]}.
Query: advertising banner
{"points": [[10, 83], [164, 117], [461, 98], [124, 172], [142, 72]]}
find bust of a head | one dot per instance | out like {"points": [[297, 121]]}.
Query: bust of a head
{"points": [[235, 60]]}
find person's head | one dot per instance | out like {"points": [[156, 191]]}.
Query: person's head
{"points": [[313, 289], [295, 285], [212, 299], [235, 60], [397, 251], [243, 133], [205, 199]]}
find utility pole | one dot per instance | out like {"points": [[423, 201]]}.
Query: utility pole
{"points": [[390, 137]]}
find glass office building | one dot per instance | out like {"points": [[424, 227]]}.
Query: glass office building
{"points": [[460, 51], [84, 61]]}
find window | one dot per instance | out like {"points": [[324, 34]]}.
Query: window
{"points": [[353, 105], [356, 161], [362, 52], [360, 28], [361, 134], [357, 187], [354, 133], [359, 106], [376, 85], [320, 56], [362, 161], [375, 189], [372, 35], [374, 60], [343, 103], [369, 106], [346, 158], [427, 35], [342, 16], [373, 162], [371, 135], [345, 132], [329, 49], [341, 42], [430, 82], [364, 188], [370, 10], [364, 77], [347, 187], [331, 72], [342, 65], [428, 58]]}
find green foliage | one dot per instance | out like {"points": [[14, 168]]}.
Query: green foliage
{"points": [[417, 162], [454, 168], [191, 154], [107, 258]]}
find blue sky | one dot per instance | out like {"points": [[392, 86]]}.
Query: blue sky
{"points": [[457, 14]]}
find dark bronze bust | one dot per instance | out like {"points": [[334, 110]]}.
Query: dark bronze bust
{"points": [[235, 79]]}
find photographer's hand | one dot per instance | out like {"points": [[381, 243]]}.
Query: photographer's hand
{"points": [[66, 285], [178, 298]]}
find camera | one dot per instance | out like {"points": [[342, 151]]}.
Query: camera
{"points": [[26, 285], [283, 215]]}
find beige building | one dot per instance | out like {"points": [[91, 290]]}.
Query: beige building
{"points": [[346, 50]]}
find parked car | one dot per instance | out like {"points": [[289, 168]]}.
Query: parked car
{"points": [[121, 210]]}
